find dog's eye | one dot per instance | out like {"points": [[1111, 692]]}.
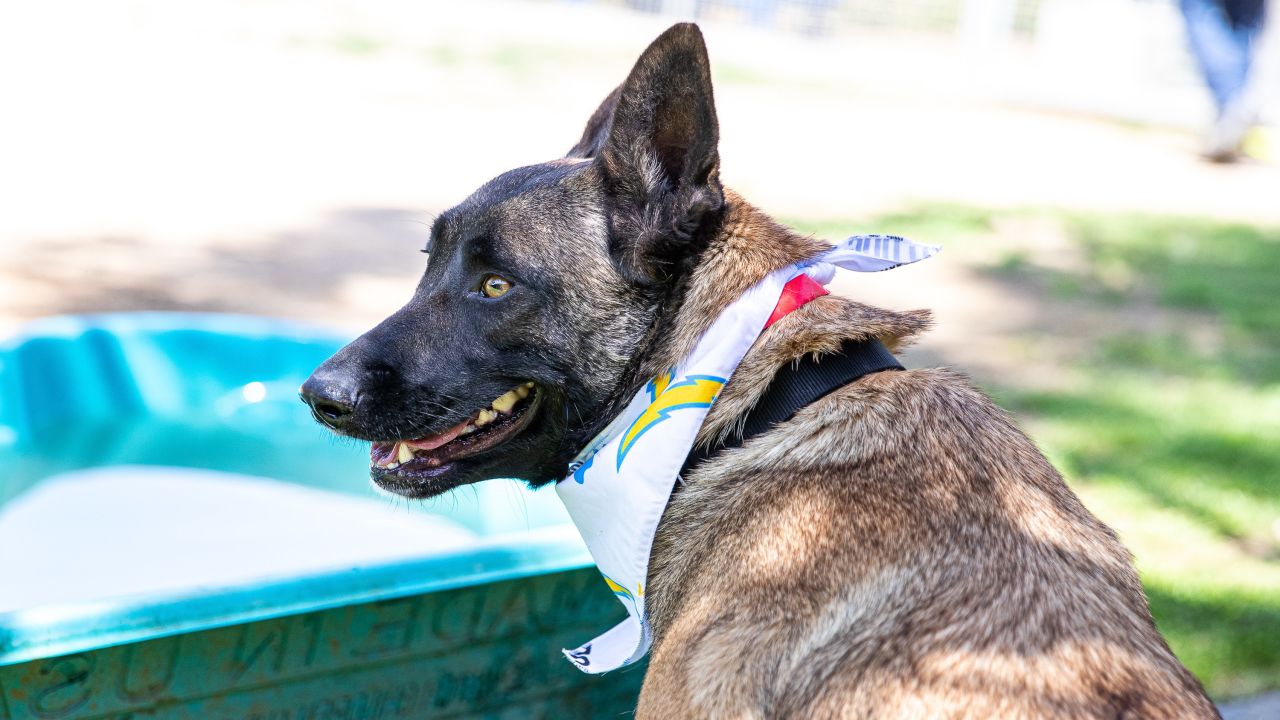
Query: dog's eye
{"points": [[495, 286]]}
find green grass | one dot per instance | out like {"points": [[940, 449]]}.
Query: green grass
{"points": [[357, 44], [1168, 420], [1230, 271]]}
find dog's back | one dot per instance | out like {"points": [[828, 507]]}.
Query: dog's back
{"points": [[898, 549]]}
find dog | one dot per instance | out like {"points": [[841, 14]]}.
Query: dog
{"points": [[896, 549]]}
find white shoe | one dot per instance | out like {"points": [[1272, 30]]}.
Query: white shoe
{"points": [[1222, 143]]}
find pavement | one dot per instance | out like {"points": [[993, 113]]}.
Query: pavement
{"points": [[1262, 707]]}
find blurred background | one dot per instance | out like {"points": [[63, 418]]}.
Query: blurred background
{"points": [[1107, 282]]}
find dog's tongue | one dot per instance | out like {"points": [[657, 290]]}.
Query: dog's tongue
{"points": [[431, 442], [381, 453]]}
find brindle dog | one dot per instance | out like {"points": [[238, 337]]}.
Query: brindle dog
{"points": [[897, 549]]}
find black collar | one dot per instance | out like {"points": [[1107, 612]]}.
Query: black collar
{"points": [[800, 383]]}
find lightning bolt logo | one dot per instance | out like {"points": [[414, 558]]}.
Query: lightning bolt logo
{"points": [[580, 474], [695, 391], [626, 596], [621, 591]]}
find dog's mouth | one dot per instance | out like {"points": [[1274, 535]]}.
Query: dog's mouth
{"points": [[424, 458]]}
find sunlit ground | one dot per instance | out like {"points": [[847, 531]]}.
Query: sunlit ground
{"points": [[286, 158]]}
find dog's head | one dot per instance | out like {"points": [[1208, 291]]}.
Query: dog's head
{"points": [[541, 290]]}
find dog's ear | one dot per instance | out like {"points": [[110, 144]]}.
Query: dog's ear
{"points": [[659, 158]]}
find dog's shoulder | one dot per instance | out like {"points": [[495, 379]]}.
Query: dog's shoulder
{"points": [[901, 530]]}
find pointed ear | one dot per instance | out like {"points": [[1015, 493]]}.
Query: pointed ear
{"points": [[660, 160], [597, 132]]}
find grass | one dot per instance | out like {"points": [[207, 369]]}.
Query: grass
{"points": [[1167, 423], [358, 44]]}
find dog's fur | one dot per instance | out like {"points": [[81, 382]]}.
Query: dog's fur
{"points": [[897, 549]]}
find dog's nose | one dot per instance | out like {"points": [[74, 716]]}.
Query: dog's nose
{"points": [[332, 397]]}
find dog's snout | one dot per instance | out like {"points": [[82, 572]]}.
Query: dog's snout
{"points": [[332, 397]]}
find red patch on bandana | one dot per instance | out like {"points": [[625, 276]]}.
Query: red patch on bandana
{"points": [[798, 291]]}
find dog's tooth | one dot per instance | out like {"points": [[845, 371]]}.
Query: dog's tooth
{"points": [[392, 466], [522, 392], [468, 429], [403, 453], [528, 385], [506, 402], [485, 417]]}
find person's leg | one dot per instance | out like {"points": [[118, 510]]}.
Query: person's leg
{"points": [[1244, 14], [1222, 34], [1221, 52], [1263, 88]]}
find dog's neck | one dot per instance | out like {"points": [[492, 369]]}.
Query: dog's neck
{"points": [[748, 247]]}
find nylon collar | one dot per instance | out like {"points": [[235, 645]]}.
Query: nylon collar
{"points": [[799, 384]]}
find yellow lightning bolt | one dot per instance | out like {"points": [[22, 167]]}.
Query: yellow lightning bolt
{"points": [[620, 590], [659, 385], [693, 391], [616, 588]]}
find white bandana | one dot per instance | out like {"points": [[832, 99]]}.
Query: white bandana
{"points": [[619, 485]]}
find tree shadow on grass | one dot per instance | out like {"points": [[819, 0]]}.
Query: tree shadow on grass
{"points": [[1227, 274], [1159, 456], [1229, 637]]}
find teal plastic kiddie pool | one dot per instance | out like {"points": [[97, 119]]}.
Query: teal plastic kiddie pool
{"points": [[178, 539]]}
